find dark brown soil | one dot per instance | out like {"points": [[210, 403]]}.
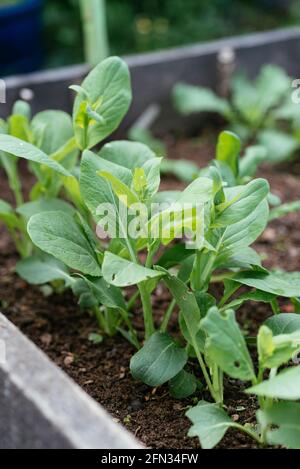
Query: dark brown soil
{"points": [[58, 327]]}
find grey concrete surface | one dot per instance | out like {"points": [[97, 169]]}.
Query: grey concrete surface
{"points": [[41, 407]]}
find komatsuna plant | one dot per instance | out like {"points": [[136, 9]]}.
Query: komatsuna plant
{"points": [[51, 143], [119, 186], [236, 169], [254, 111], [277, 389]]}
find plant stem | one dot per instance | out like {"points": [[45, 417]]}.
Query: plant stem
{"points": [[131, 328], [147, 310], [275, 306], [204, 371], [65, 150], [248, 432], [197, 272], [131, 302], [167, 316], [101, 320]]}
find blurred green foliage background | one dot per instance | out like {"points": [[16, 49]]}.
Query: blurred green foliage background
{"points": [[144, 25]]}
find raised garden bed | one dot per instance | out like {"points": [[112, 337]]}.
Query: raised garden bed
{"points": [[57, 326]]}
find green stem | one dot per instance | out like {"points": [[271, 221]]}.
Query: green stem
{"points": [[207, 269], [65, 150], [204, 371], [131, 302], [167, 317], [226, 297], [197, 272], [248, 432], [147, 310], [275, 306], [101, 320], [18, 194]]}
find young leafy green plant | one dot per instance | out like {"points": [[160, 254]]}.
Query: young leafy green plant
{"points": [[238, 170], [278, 341], [17, 139], [233, 218], [51, 143], [254, 110]]}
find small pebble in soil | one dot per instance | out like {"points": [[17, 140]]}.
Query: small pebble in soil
{"points": [[46, 339], [68, 360]]}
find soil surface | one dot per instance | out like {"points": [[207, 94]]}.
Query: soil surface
{"points": [[56, 324]]}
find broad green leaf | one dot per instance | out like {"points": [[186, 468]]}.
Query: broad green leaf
{"points": [[185, 216], [108, 95], [22, 149], [212, 172], [133, 155], [183, 385], [51, 130], [29, 209], [241, 257], [201, 190], [228, 150], [285, 385], [7, 215], [284, 210], [247, 230], [281, 284], [106, 294], [174, 255], [158, 361], [241, 201], [279, 145], [283, 424], [128, 154], [184, 170], [254, 155], [177, 221], [269, 96], [151, 169], [121, 273], [189, 98], [245, 99], [72, 188], [278, 350], [166, 197], [96, 190], [205, 301], [283, 323], [18, 126], [226, 345], [121, 190], [58, 234], [100, 198], [227, 176], [257, 295], [188, 306], [42, 268], [210, 423]]}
